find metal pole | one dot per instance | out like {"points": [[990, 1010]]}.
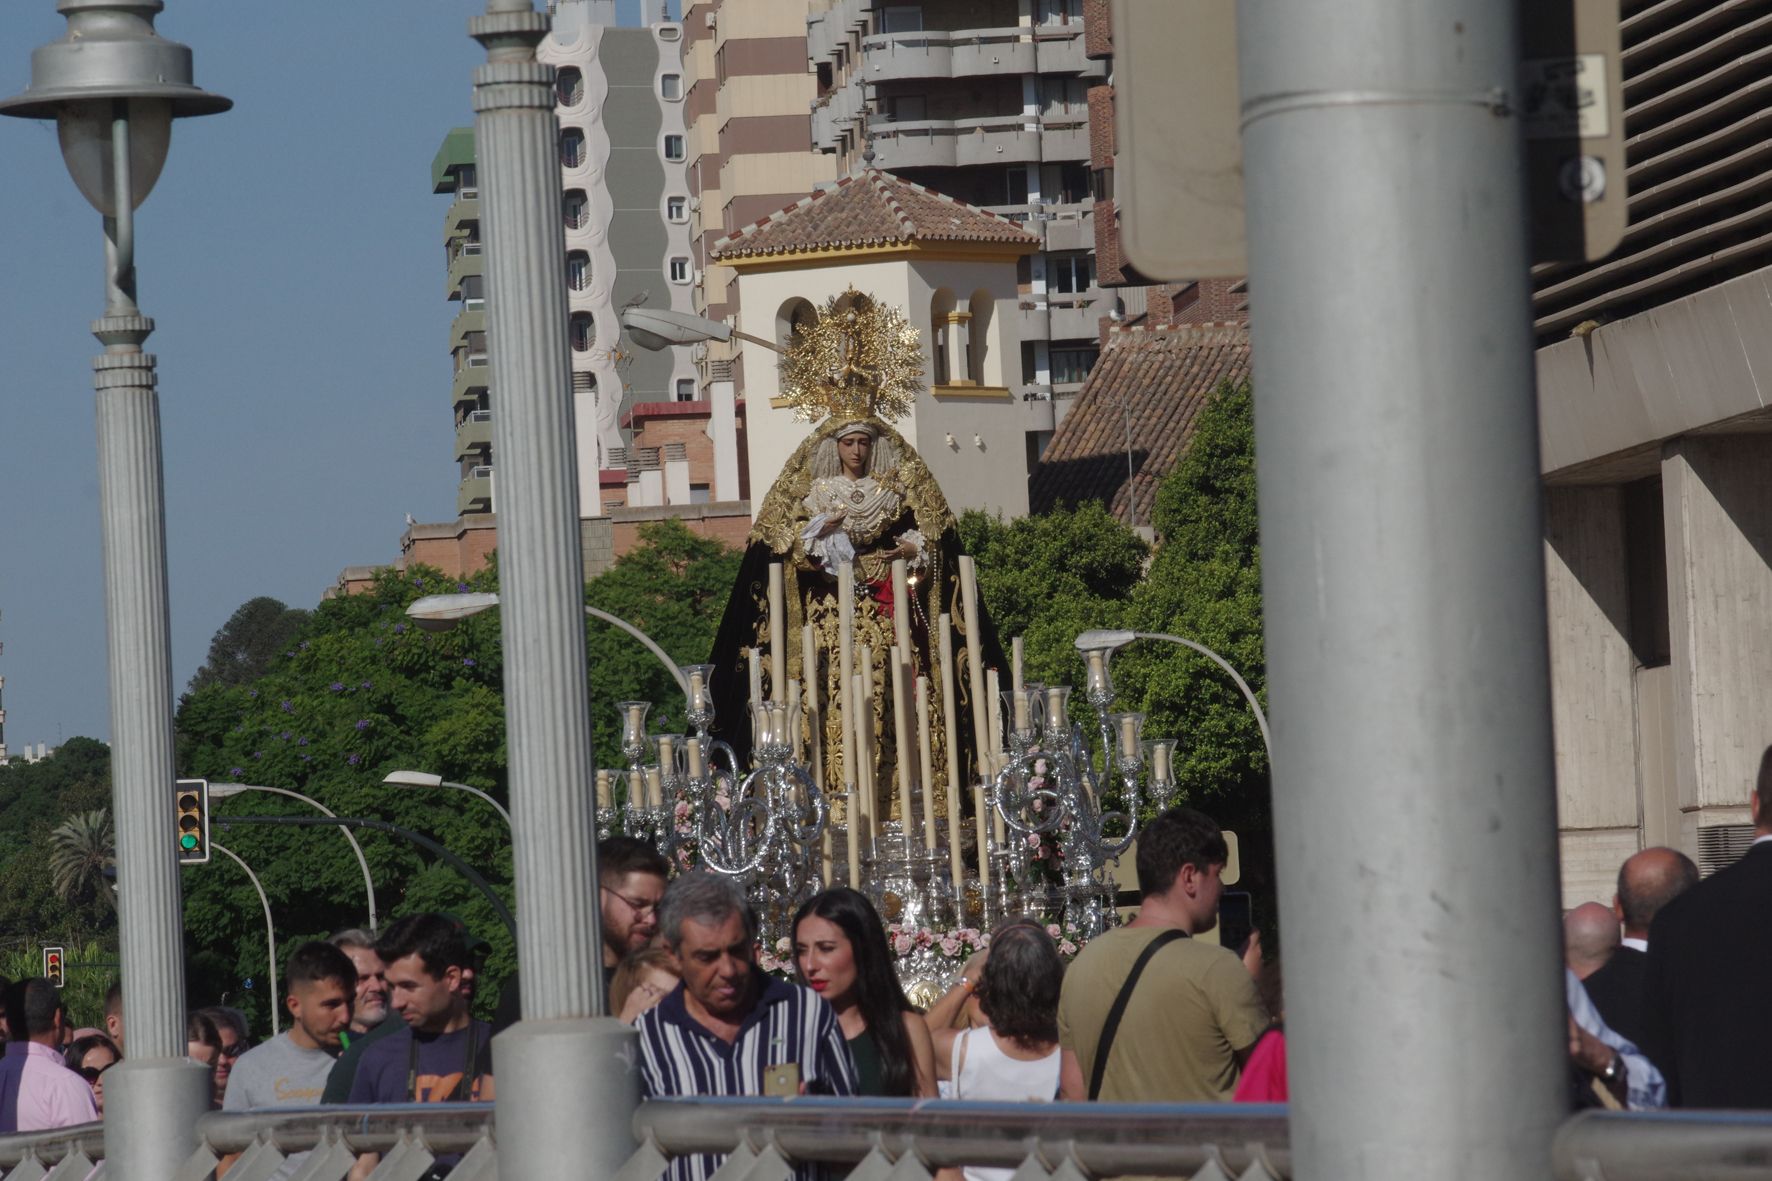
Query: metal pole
{"points": [[270, 932], [1267, 740], [1396, 438], [566, 1087], [155, 1102], [651, 645], [474, 791], [362, 861]]}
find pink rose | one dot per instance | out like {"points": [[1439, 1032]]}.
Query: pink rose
{"points": [[950, 945], [902, 944], [1033, 840]]}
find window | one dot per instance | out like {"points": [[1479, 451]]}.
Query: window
{"points": [[578, 270], [569, 87], [1063, 96], [1070, 366], [685, 389], [669, 33], [572, 147], [473, 292], [670, 86], [901, 18], [584, 335], [1070, 274], [676, 209], [577, 209], [907, 108], [673, 147], [679, 270], [466, 182]]}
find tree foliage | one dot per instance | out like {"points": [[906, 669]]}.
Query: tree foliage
{"points": [[361, 691], [34, 799], [87, 970], [246, 644], [81, 849]]}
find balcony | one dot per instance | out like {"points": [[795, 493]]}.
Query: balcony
{"points": [[820, 42], [467, 320], [1064, 137], [475, 495], [470, 382], [824, 127], [461, 211], [991, 51], [1069, 226], [464, 259], [1062, 316], [945, 143], [936, 53], [473, 435], [1062, 51]]}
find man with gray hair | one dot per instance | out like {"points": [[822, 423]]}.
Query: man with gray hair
{"points": [[729, 1029]]}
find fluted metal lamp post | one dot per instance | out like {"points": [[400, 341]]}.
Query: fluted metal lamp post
{"points": [[114, 86], [566, 1084]]}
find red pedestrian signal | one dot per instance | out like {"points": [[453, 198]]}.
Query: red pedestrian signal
{"points": [[193, 821], [54, 969]]}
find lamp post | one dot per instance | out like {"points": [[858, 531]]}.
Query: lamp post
{"points": [[442, 612], [113, 85], [270, 929], [566, 1089], [221, 791], [426, 779], [1110, 641]]}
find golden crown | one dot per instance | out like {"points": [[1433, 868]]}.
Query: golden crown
{"points": [[857, 357]]}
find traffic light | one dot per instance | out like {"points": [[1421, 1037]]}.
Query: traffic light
{"points": [[53, 969], [193, 821]]}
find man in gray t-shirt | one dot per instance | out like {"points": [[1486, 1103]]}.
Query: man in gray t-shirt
{"points": [[290, 1070]]}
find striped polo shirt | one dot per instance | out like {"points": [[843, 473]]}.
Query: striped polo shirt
{"points": [[680, 1057]]}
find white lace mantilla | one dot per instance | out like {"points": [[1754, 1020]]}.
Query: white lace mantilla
{"points": [[866, 506]]}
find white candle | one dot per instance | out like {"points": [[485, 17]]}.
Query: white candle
{"points": [[693, 749], [793, 718], [666, 755], [1056, 722], [602, 789], [926, 764], [993, 696], [1097, 669], [636, 725], [981, 733], [901, 727], [852, 839], [901, 607], [984, 846], [654, 788], [636, 788], [846, 674], [1021, 710], [778, 634], [1129, 737], [951, 732], [698, 690], [1160, 761], [866, 737], [1016, 682], [756, 658]]}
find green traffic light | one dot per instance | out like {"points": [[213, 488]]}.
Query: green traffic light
{"points": [[188, 841]]}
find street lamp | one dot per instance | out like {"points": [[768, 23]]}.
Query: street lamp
{"points": [[113, 85], [221, 791], [426, 779], [270, 930], [1109, 641], [438, 613]]}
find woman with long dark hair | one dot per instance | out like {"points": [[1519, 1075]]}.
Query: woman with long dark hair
{"points": [[841, 953]]}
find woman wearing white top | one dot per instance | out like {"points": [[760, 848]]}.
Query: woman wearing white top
{"points": [[1014, 1058]]}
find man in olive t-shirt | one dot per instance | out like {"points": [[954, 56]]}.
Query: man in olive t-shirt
{"points": [[1194, 1014]]}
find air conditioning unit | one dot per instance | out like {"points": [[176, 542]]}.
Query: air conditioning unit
{"points": [[1722, 845], [709, 17]]}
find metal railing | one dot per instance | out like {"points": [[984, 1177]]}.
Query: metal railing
{"points": [[872, 1139]]}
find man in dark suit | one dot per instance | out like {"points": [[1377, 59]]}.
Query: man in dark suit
{"points": [[1646, 883], [1709, 974]]}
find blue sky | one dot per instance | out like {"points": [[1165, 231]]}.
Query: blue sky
{"points": [[292, 259]]}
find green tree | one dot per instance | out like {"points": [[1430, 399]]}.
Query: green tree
{"points": [[241, 651], [81, 849], [34, 799], [87, 969]]}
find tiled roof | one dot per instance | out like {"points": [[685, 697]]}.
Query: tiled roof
{"points": [[870, 208], [1146, 388]]}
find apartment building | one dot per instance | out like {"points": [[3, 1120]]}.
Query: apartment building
{"points": [[750, 141], [985, 101]]}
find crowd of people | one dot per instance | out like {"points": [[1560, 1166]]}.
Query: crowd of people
{"points": [[1145, 1013]]}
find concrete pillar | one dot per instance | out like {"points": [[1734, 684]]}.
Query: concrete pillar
{"points": [[1593, 687], [958, 345], [723, 429], [1717, 494]]}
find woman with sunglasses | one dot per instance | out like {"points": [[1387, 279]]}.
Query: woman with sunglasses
{"points": [[841, 953], [89, 1057]]}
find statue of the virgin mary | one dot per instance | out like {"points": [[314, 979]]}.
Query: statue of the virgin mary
{"points": [[854, 494]]}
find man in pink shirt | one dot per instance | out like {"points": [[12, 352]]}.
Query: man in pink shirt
{"points": [[37, 1091]]}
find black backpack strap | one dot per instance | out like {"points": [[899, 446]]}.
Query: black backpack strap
{"points": [[1112, 1025]]}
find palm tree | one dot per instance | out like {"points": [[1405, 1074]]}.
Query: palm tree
{"points": [[81, 849]]}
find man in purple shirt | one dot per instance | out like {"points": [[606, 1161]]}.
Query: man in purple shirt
{"points": [[38, 1092]]}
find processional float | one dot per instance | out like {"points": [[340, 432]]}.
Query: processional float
{"points": [[851, 727]]}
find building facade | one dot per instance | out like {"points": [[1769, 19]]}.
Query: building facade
{"points": [[985, 101]]}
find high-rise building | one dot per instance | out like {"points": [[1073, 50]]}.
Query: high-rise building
{"points": [[750, 141], [985, 101]]}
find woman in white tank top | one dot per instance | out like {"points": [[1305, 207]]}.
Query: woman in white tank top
{"points": [[1015, 1058]]}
